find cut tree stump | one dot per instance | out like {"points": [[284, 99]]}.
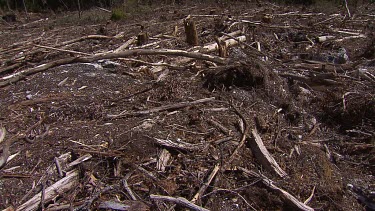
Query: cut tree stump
{"points": [[222, 47], [142, 38], [191, 31]]}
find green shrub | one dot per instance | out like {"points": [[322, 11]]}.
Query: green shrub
{"points": [[117, 14]]}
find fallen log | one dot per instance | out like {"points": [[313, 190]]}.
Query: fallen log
{"points": [[4, 81], [60, 187]]}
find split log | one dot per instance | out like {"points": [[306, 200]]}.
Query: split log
{"points": [[263, 156], [190, 31], [60, 187]]}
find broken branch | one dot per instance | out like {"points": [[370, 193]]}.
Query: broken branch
{"points": [[181, 201]]}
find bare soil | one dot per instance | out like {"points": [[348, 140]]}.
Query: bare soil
{"points": [[315, 117]]}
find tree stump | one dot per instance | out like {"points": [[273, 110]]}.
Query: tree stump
{"points": [[222, 47], [191, 31], [142, 38]]}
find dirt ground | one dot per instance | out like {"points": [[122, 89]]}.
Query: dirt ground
{"points": [[314, 112]]}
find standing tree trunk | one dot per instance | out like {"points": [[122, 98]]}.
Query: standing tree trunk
{"points": [[24, 6], [79, 8], [8, 5]]}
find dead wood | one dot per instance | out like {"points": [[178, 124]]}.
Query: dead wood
{"points": [[142, 38], [263, 156], [126, 186], [125, 45], [205, 185], [229, 43], [270, 184], [243, 138], [221, 127], [7, 69], [179, 200], [205, 49], [191, 31], [301, 96], [181, 145], [63, 50], [5, 155], [5, 81], [59, 188], [19, 136], [66, 43], [163, 160], [222, 47], [161, 108]]}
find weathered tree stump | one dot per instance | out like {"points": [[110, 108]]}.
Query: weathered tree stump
{"points": [[142, 38], [222, 47], [191, 31]]}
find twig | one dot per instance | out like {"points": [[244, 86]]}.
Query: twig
{"points": [[42, 198], [63, 50], [269, 183], [181, 201], [230, 191], [310, 197], [178, 144], [126, 186], [58, 167], [263, 156], [221, 127], [155, 64], [243, 138], [344, 100], [96, 195], [347, 8], [79, 160], [205, 185], [244, 43], [161, 108]]}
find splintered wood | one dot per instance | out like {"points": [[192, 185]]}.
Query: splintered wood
{"points": [[263, 156], [287, 196], [59, 188]]}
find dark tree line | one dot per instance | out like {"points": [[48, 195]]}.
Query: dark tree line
{"points": [[40, 5], [56, 5]]}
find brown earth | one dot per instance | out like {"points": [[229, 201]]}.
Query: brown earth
{"points": [[316, 118]]}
